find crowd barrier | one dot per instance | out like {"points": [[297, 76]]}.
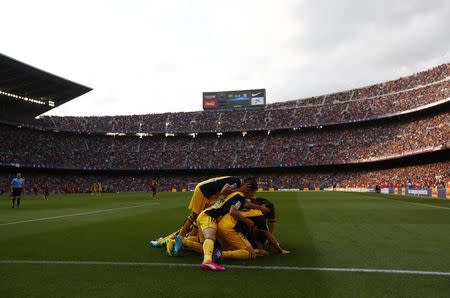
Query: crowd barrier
{"points": [[434, 192]]}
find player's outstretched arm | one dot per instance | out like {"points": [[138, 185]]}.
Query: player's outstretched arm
{"points": [[228, 189], [263, 208], [275, 243]]}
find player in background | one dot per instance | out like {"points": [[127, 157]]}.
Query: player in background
{"points": [[100, 188], [153, 184], [17, 185], [94, 189], [46, 191]]}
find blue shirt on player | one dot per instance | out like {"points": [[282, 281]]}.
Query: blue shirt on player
{"points": [[18, 182]]}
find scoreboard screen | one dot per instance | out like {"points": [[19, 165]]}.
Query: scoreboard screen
{"points": [[234, 99]]}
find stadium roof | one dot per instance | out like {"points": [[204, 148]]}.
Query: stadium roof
{"points": [[26, 92]]}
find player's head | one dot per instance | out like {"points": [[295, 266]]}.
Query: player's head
{"points": [[18, 175], [251, 186], [268, 204]]}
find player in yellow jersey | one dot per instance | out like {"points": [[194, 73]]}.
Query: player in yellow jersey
{"points": [[237, 241], [205, 193], [208, 219], [100, 188]]}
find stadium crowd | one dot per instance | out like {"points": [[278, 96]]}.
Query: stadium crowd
{"points": [[328, 145], [249, 139], [375, 101], [429, 175]]}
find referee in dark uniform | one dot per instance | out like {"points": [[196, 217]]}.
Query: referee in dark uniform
{"points": [[16, 189]]}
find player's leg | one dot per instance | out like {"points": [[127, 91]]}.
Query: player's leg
{"points": [[239, 254], [188, 222], [187, 243], [208, 227], [13, 199], [240, 247], [192, 243], [271, 224], [162, 240], [208, 244], [196, 205], [193, 235], [169, 247]]}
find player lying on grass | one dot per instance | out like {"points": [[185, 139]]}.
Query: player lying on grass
{"points": [[205, 194], [234, 236]]}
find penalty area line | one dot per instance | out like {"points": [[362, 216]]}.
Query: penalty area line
{"points": [[241, 267], [75, 214]]}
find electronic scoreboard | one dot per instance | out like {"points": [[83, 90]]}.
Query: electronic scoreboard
{"points": [[234, 99]]}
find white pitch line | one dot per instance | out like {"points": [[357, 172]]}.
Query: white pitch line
{"points": [[419, 204], [75, 214], [433, 206], [145, 264]]}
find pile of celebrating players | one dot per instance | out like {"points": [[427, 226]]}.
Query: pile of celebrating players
{"points": [[227, 221]]}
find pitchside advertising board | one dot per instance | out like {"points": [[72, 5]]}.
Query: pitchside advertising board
{"points": [[234, 99]]}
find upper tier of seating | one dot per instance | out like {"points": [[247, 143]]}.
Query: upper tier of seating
{"points": [[430, 87]]}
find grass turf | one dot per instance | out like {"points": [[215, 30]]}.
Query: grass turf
{"points": [[342, 230]]}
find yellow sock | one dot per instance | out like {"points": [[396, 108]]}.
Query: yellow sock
{"points": [[208, 247], [193, 245], [239, 254]]}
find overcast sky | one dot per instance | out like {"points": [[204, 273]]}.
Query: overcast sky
{"points": [[159, 56]]}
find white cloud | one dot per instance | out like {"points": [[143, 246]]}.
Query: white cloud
{"points": [[159, 56]]}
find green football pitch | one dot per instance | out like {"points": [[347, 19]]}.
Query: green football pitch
{"points": [[342, 245]]}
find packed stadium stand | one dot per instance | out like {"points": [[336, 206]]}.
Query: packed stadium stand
{"points": [[390, 133], [416, 92]]}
